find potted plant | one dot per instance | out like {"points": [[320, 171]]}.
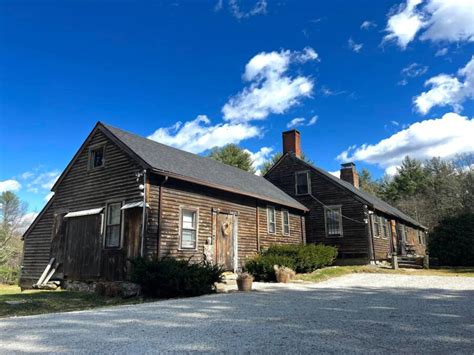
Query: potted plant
{"points": [[244, 281]]}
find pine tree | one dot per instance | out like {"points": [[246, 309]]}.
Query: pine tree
{"points": [[232, 154]]}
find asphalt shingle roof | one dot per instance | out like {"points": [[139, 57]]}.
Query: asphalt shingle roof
{"points": [[205, 170]]}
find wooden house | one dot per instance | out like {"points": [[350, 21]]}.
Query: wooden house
{"points": [[123, 196], [360, 225]]}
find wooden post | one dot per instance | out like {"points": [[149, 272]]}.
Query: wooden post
{"points": [[426, 261], [394, 261]]}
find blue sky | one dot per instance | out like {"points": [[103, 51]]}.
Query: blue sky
{"points": [[366, 77]]}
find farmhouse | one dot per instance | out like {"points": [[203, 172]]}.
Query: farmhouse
{"points": [[123, 196], [360, 225]]}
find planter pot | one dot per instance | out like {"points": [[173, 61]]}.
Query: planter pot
{"points": [[283, 277], [244, 284]]}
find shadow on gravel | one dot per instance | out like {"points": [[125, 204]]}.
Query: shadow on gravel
{"points": [[355, 319]]}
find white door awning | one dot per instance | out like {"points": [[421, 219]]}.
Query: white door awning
{"points": [[84, 213], [134, 205]]}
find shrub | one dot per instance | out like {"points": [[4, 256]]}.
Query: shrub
{"points": [[452, 241], [307, 258], [301, 258], [169, 277], [261, 266], [9, 275]]}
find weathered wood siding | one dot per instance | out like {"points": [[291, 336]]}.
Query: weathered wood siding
{"points": [[382, 243], [81, 189], [178, 194], [418, 241], [354, 242]]}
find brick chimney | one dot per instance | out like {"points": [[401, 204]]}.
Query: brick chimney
{"points": [[292, 142], [349, 174]]}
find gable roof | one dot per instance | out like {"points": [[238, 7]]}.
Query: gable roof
{"points": [[176, 163], [372, 201]]}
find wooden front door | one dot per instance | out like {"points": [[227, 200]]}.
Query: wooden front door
{"points": [[225, 240], [83, 247], [132, 232]]}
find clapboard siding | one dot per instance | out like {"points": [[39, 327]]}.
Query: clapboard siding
{"points": [[179, 194], [354, 242], [81, 189]]}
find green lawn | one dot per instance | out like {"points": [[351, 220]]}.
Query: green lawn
{"points": [[335, 271], [36, 301]]}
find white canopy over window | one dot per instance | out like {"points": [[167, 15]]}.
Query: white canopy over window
{"points": [[84, 212], [133, 205]]}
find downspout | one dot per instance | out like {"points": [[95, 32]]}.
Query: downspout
{"points": [[160, 198], [370, 234], [142, 246]]}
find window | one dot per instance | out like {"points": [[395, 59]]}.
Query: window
{"points": [[113, 226], [96, 157], [333, 217], [376, 225], [285, 221], [302, 183], [384, 222], [188, 229], [271, 219], [420, 239]]}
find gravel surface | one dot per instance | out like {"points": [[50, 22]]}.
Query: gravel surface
{"points": [[358, 313]]}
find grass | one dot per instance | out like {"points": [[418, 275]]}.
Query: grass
{"points": [[336, 271], [36, 302]]}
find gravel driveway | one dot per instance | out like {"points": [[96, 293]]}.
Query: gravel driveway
{"points": [[355, 313]]}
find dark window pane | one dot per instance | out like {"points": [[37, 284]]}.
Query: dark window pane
{"points": [[114, 213], [97, 157], [302, 183], [333, 222], [188, 239]]}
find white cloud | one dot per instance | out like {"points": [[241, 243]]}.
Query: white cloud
{"points": [[260, 8], [448, 90], [199, 135], [328, 92], [9, 185], [336, 173], [441, 52], [440, 20], [449, 20], [260, 157], [295, 122], [27, 220], [403, 25], [313, 120], [270, 89], [412, 71], [367, 25], [353, 46], [442, 137], [300, 121], [40, 181]]}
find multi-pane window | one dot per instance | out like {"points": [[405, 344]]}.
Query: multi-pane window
{"points": [[333, 217], [302, 183], [383, 222], [188, 229], [285, 221], [376, 225], [114, 225], [96, 157], [271, 219]]}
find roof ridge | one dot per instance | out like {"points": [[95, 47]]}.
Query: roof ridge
{"points": [[184, 151]]}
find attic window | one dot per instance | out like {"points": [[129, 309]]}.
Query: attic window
{"points": [[96, 157], [302, 184]]}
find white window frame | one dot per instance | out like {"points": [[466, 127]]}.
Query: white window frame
{"points": [[283, 212], [196, 227], [308, 182], [106, 225], [331, 208], [271, 208]]}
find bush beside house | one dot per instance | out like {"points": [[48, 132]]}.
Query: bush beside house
{"points": [[301, 258], [169, 277]]}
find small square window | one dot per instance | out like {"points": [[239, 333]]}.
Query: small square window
{"points": [[96, 157]]}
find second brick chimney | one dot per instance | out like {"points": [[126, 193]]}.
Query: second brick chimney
{"points": [[349, 174], [292, 142]]}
